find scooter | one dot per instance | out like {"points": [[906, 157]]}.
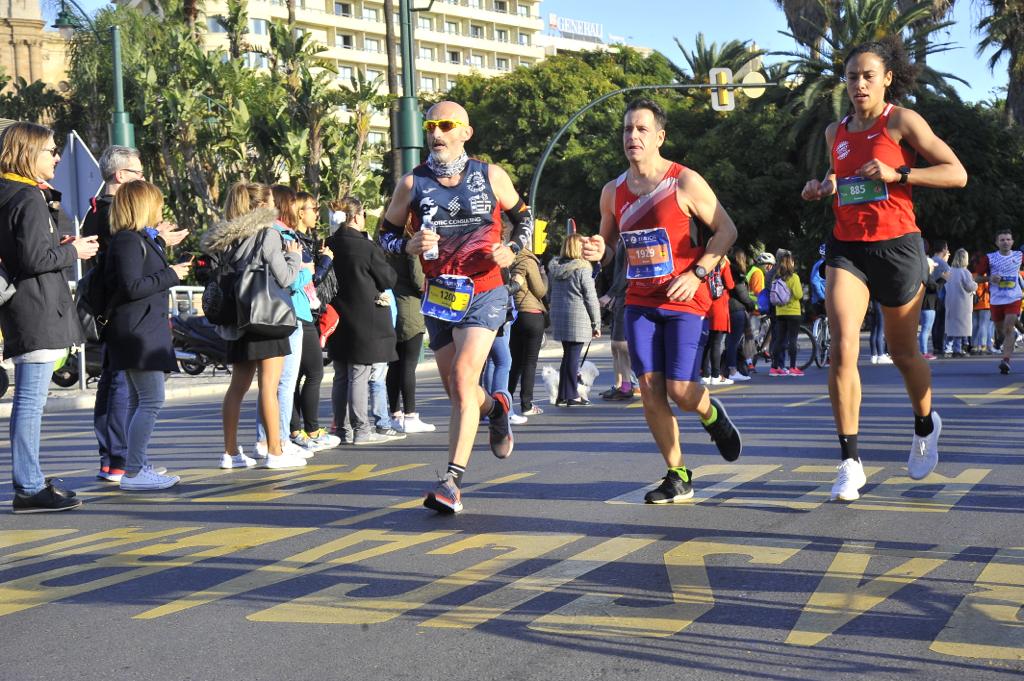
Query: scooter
{"points": [[67, 375], [197, 344]]}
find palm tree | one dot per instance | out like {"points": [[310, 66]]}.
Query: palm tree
{"points": [[734, 55], [807, 19], [819, 98], [1003, 29], [392, 53]]}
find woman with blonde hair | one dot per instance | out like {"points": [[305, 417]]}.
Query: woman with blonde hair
{"points": [[787, 319], [246, 236], [960, 288], [137, 335], [575, 315], [39, 322]]}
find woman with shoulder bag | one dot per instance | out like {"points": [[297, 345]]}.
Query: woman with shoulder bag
{"points": [[39, 322], [528, 329], [575, 315], [247, 237], [137, 336]]}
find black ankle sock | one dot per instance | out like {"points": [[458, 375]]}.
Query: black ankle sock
{"points": [[848, 443], [923, 425], [457, 472]]}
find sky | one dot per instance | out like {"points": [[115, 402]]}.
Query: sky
{"points": [[654, 23]]}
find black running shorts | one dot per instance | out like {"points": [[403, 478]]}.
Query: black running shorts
{"points": [[893, 270]]}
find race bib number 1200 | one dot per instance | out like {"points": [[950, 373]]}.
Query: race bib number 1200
{"points": [[648, 253], [447, 298]]}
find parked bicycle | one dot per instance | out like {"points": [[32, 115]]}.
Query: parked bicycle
{"points": [[806, 349]]}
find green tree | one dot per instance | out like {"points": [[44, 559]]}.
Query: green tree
{"points": [[36, 102], [1002, 27]]}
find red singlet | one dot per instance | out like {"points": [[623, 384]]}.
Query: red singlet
{"points": [[878, 220], [660, 208]]}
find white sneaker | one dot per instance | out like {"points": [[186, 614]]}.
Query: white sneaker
{"points": [[411, 423], [924, 452], [239, 460], [874, 359], [517, 419], [848, 481], [738, 377], [290, 448], [284, 461], [148, 479], [261, 450], [705, 380], [884, 359], [398, 421], [720, 380]]}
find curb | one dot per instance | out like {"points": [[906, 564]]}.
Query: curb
{"points": [[60, 403]]}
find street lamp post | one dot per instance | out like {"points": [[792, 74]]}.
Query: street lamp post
{"points": [[121, 130], [409, 134]]}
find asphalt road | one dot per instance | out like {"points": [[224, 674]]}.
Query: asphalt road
{"points": [[556, 569]]}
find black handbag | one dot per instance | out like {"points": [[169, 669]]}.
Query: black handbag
{"points": [[264, 306]]}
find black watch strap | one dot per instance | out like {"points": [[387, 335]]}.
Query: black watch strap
{"points": [[904, 172]]}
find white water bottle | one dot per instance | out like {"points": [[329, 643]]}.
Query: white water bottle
{"points": [[433, 252]]}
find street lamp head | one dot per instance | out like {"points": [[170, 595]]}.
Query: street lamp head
{"points": [[66, 23]]}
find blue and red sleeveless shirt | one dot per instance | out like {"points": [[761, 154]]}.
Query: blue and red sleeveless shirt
{"points": [[468, 218], [659, 208], [878, 220]]}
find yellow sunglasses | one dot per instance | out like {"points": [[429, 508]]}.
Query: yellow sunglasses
{"points": [[445, 124]]}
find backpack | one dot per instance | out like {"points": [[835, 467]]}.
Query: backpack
{"points": [[780, 293], [219, 301], [716, 283]]}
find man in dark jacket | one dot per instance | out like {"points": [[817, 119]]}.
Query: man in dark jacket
{"points": [[118, 165], [365, 334]]}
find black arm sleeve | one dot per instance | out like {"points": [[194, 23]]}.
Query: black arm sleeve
{"points": [[521, 218], [390, 237]]}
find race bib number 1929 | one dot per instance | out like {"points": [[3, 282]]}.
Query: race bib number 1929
{"points": [[648, 253]]}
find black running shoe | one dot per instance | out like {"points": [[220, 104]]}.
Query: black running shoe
{"points": [[671, 489], [46, 500], [724, 434], [501, 427], [1004, 367]]}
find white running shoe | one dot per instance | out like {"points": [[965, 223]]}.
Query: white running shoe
{"points": [[517, 419], [239, 460], [721, 380], [290, 448], [874, 359], [705, 380], [284, 461], [148, 479], [924, 452], [738, 377], [849, 480], [885, 359], [411, 423]]}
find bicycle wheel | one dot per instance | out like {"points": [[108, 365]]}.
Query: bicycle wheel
{"points": [[819, 333], [806, 348], [762, 342]]}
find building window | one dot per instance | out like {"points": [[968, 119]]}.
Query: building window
{"points": [[343, 9], [476, 31], [259, 26], [371, 44], [501, 35], [255, 60], [523, 10], [427, 53], [298, 33], [476, 4], [371, 14], [524, 39], [344, 42], [454, 57], [501, 6], [477, 61], [375, 138], [451, 27], [501, 63], [451, 83], [426, 23], [216, 25], [373, 74], [345, 73], [427, 84], [525, 62]]}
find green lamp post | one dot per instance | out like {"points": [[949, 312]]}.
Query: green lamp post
{"points": [[122, 132], [410, 121]]}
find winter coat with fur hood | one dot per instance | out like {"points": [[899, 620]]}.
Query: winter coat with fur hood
{"points": [[236, 242], [575, 311]]}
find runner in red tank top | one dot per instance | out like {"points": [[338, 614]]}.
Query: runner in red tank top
{"points": [[875, 250], [651, 210]]}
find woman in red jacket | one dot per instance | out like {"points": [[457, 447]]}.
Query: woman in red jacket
{"points": [[721, 283]]}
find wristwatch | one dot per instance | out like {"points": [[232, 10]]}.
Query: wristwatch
{"points": [[904, 172], [514, 247], [700, 272]]}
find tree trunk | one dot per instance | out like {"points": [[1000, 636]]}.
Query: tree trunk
{"points": [[1015, 98], [316, 152], [390, 38]]}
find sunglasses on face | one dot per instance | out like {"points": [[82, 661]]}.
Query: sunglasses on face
{"points": [[53, 151], [446, 125]]}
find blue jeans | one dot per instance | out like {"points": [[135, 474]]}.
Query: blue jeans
{"points": [[876, 340], [982, 330], [145, 398], [954, 344], [110, 416], [286, 388], [30, 384], [379, 395], [499, 363], [927, 320]]}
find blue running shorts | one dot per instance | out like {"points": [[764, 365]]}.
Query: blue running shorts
{"points": [[665, 342]]}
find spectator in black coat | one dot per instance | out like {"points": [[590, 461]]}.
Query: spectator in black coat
{"points": [[366, 334], [39, 322], [137, 277]]}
